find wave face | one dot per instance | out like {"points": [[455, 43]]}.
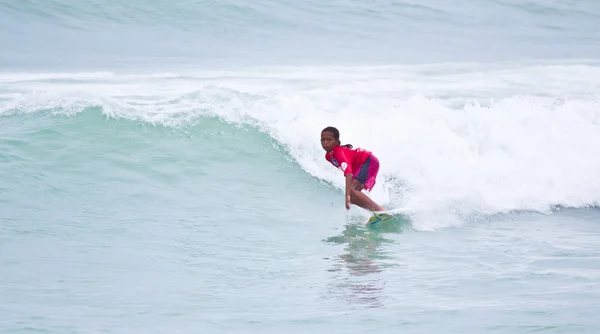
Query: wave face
{"points": [[454, 140]]}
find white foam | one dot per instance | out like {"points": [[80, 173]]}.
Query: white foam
{"points": [[453, 140]]}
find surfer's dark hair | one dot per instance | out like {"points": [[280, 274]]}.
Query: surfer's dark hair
{"points": [[336, 134]]}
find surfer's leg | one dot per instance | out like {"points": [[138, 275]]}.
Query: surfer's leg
{"points": [[366, 175], [361, 199], [371, 173]]}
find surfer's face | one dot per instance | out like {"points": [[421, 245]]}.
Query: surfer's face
{"points": [[328, 141]]}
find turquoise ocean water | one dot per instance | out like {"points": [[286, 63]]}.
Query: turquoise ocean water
{"points": [[160, 166]]}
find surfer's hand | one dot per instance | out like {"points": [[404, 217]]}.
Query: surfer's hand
{"points": [[348, 202]]}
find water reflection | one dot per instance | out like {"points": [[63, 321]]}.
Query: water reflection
{"points": [[358, 273]]}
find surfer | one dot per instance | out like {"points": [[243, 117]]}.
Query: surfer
{"points": [[359, 166]]}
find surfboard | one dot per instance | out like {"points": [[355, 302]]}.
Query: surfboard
{"points": [[379, 217]]}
